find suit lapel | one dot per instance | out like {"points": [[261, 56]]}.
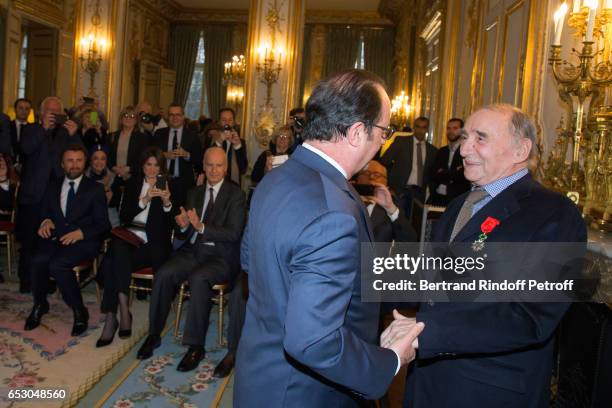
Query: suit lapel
{"points": [[500, 208], [220, 202]]}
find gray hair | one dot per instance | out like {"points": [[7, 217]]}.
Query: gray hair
{"points": [[49, 99], [521, 125]]}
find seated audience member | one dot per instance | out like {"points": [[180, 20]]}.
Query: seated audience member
{"points": [[8, 184], [98, 171], [22, 107], [41, 145], [182, 152], [145, 212], [74, 222], [126, 147], [446, 176], [212, 227], [91, 130], [282, 142], [389, 223]]}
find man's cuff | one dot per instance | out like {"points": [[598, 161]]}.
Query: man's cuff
{"points": [[237, 147], [394, 215], [201, 231], [167, 209], [399, 363]]}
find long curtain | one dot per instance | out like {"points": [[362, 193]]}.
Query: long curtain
{"points": [[341, 49], [378, 53], [182, 58], [218, 50]]}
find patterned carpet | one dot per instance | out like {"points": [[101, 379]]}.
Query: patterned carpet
{"points": [[48, 357], [156, 383]]}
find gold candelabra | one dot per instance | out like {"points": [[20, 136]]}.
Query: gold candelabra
{"points": [[94, 44], [233, 78], [400, 110], [589, 130], [269, 70]]}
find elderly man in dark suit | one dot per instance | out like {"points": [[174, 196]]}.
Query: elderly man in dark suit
{"points": [[308, 339], [73, 222], [493, 354], [409, 161], [41, 147], [212, 227], [182, 151]]}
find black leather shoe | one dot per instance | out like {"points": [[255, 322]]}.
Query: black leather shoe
{"points": [[124, 334], [150, 344], [105, 342], [1, 278], [33, 320], [223, 369], [192, 358], [81, 321]]}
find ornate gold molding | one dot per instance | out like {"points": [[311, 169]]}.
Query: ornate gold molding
{"points": [[346, 17], [48, 11], [216, 15]]}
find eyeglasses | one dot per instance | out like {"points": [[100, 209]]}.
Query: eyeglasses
{"points": [[387, 131], [129, 116], [373, 174]]}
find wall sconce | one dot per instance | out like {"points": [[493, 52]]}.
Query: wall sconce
{"points": [[269, 68], [400, 110], [92, 49]]}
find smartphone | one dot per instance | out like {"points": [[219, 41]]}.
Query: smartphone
{"points": [[160, 184], [364, 189], [93, 117], [278, 160], [60, 119]]}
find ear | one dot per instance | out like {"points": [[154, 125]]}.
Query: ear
{"points": [[356, 134], [521, 153]]}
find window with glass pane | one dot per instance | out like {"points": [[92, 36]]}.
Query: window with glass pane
{"points": [[23, 65], [196, 100]]}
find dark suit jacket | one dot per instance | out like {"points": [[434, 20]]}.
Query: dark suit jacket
{"points": [[189, 142], [159, 222], [15, 147], [452, 177], [5, 134], [306, 324], [90, 213], [225, 226], [42, 150], [137, 144], [494, 354], [384, 230], [398, 161]]}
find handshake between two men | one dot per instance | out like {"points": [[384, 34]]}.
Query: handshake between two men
{"points": [[402, 337]]}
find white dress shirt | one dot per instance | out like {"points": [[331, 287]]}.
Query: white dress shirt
{"points": [[179, 138], [18, 126], [143, 216], [412, 179], [452, 150], [326, 158], [66, 188], [216, 189]]}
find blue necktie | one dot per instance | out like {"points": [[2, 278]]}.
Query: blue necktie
{"points": [[70, 198]]}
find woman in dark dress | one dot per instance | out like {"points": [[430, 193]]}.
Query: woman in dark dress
{"points": [[145, 212]]}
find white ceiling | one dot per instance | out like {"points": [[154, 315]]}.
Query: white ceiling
{"points": [[356, 5]]}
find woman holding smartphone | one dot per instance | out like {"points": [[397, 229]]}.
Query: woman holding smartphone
{"points": [[143, 241]]}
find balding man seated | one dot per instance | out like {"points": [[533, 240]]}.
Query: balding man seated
{"points": [[211, 225]]}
